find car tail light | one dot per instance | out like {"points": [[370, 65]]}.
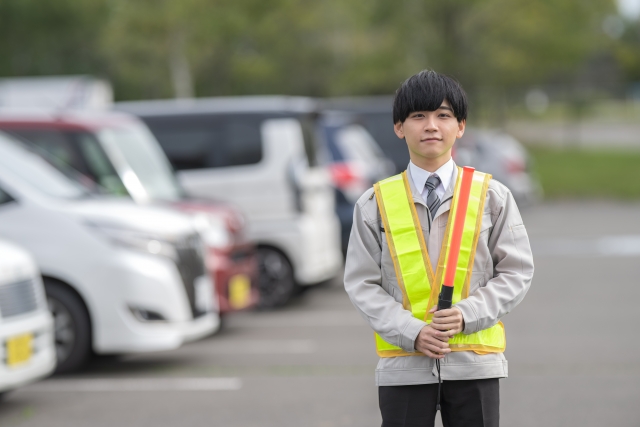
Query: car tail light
{"points": [[345, 175], [515, 166]]}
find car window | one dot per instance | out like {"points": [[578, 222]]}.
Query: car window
{"points": [[330, 136], [243, 142], [54, 145], [140, 151], [380, 125], [196, 142], [98, 164], [34, 171], [356, 144], [78, 155]]}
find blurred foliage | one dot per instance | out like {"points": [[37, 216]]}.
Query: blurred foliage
{"points": [[627, 51], [160, 48], [584, 173], [51, 37]]}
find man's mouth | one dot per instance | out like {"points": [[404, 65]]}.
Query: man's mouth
{"points": [[431, 139]]}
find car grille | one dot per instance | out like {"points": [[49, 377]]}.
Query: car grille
{"points": [[191, 266], [18, 298]]}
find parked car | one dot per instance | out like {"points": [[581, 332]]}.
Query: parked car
{"points": [[114, 153], [259, 154], [501, 155], [375, 114], [119, 278], [491, 151], [354, 160], [27, 348]]}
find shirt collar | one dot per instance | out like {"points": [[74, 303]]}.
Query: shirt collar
{"points": [[419, 176]]}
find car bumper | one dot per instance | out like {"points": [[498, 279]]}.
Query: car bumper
{"points": [[153, 284], [43, 358], [201, 327], [161, 336]]}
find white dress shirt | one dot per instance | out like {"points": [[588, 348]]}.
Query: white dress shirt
{"points": [[420, 176]]}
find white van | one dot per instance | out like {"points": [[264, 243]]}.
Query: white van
{"points": [[119, 277], [27, 351], [258, 153]]}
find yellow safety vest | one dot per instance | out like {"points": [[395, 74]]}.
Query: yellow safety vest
{"points": [[419, 286]]}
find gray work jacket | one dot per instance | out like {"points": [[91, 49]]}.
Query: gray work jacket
{"points": [[502, 273]]}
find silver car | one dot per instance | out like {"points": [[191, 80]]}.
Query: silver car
{"points": [[498, 153]]}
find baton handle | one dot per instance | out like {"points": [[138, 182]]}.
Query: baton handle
{"points": [[445, 297], [444, 302]]}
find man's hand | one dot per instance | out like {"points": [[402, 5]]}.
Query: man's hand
{"points": [[433, 339], [449, 321], [432, 343]]}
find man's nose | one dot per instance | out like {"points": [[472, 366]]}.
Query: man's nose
{"points": [[430, 124]]}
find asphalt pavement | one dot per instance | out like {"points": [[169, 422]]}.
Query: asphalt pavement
{"points": [[572, 349]]}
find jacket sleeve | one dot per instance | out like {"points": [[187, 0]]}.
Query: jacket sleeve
{"points": [[512, 273], [363, 283]]}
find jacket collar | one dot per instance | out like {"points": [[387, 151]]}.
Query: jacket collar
{"points": [[446, 198]]}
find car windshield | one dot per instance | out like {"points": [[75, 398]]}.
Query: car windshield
{"points": [[135, 147], [36, 172], [77, 154]]}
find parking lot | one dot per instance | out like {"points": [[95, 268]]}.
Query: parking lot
{"points": [[571, 348]]}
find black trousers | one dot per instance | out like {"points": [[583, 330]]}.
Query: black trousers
{"points": [[463, 403]]}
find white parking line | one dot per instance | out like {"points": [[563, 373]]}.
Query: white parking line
{"points": [[265, 347], [300, 320], [136, 385]]}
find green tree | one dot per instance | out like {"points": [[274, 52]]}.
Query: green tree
{"points": [[164, 48], [627, 51], [50, 37]]}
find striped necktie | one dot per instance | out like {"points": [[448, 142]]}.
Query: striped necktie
{"points": [[433, 201]]}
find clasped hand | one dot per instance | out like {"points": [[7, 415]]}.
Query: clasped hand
{"points": [[433, 339]]}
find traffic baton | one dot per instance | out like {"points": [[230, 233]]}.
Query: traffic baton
{"points": [[446, 290]]}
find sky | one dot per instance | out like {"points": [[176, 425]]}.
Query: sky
{"points": [[629, 8]]}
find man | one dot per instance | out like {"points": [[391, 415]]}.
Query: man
{"points": [[388, 281]]}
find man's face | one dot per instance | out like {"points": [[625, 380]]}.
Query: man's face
{"points": [[430, 134]]}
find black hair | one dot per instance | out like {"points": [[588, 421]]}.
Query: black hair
{"points": [[425, 91]]}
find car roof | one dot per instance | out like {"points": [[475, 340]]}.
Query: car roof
{"points": [[221, 105], [63, 119]]}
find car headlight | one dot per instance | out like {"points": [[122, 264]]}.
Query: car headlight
{"points": [[213, 230], [136, 240]]}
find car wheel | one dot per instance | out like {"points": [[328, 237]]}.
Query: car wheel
{"points": [[275, 282], [71, 326]]}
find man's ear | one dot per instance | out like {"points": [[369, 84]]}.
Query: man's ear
{"points": [[461, 126], [397, 128]]}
